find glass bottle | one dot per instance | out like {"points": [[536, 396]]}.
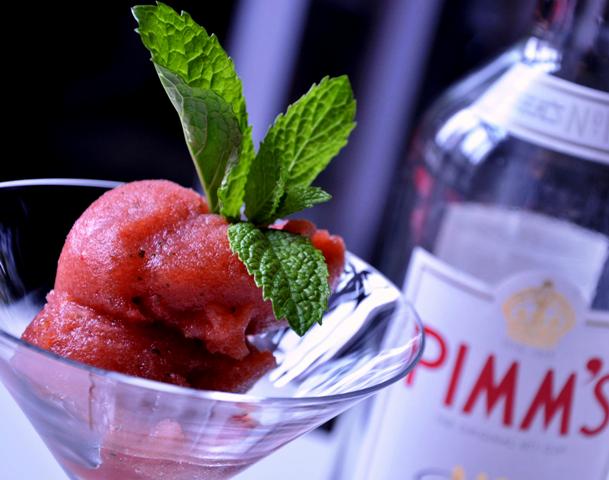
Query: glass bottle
{"points": [[499, 231]]}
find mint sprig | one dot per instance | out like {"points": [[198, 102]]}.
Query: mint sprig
{"points": [[202, 84]]}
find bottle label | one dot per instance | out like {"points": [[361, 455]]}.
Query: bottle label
{"points": [[514, 380], [548, 111]]}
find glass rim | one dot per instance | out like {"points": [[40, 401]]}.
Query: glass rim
{"points": [[210, 395]]}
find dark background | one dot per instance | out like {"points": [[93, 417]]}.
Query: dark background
{"points": [[84, 101]]}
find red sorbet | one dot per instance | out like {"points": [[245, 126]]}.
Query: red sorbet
{"points": [[147, 285], [144, 350]]}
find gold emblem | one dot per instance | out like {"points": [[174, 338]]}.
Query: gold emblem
{"points": [[538, 316]]}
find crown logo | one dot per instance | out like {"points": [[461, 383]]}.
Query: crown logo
{"points": [[538, 316]]}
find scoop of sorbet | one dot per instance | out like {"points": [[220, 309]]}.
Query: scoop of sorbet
{"points": [[147, 285]]}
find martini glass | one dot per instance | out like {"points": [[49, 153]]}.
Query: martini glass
{"points": [[103, 425]]}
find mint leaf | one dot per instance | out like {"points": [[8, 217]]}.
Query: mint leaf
{"points": [[299, 198], [265, 186], [232, 191], [292, 273], [210, 128], [314, 129], [181, 46], [299, 145]]}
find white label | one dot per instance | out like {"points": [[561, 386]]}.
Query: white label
{"points": [[514, 380], [549, 111], [493, 243]]}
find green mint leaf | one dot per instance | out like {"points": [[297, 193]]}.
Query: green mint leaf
{"points": [[314, 129], [210, 128], [299, 198], [265, 186], [291, 272], [181, 46], [232, 191], [299, 145]]}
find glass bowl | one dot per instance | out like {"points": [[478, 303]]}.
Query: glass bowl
{"points": [[105, 425]]}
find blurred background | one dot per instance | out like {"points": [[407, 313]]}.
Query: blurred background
{"points": [[84, 100]]}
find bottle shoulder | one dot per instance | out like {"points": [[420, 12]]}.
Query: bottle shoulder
{"points": [[514, 112]]}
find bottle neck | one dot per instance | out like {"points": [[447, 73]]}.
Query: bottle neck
{"points": [[571, 37]]}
